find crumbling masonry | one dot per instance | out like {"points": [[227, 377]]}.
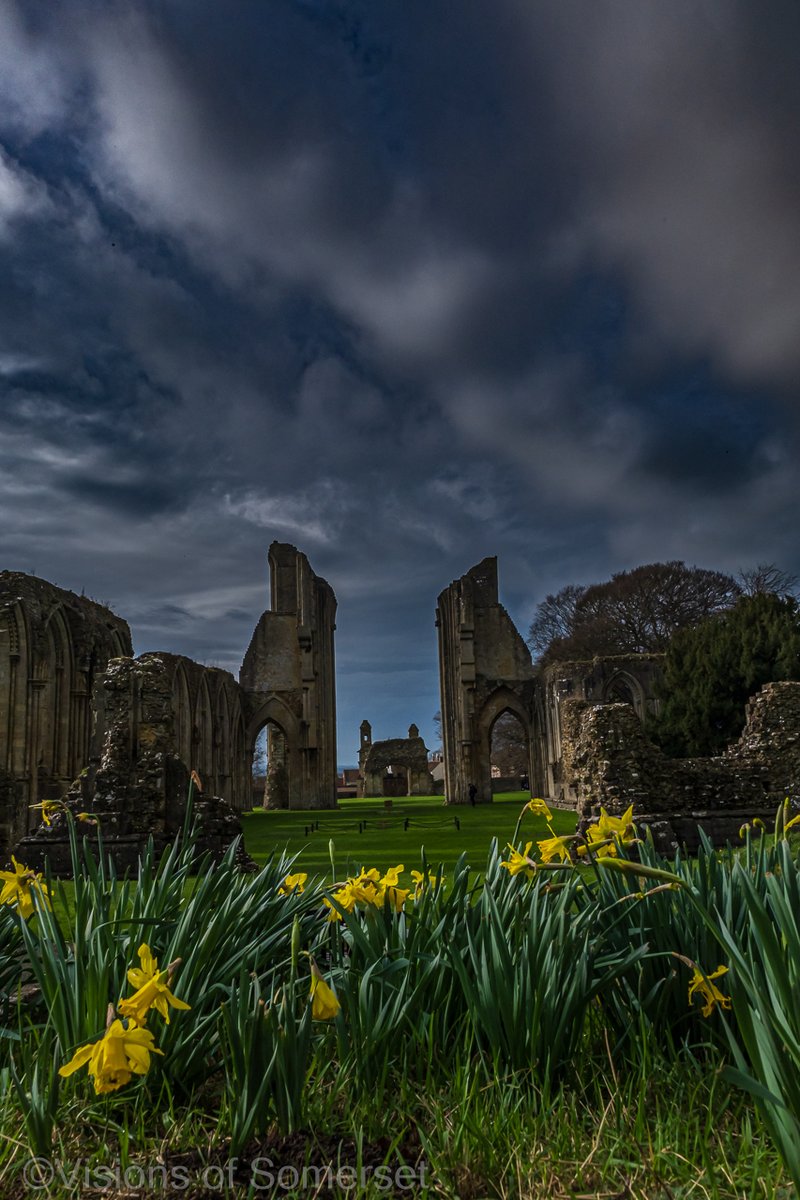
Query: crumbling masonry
{"points": [[79, 717], [583, 723]]}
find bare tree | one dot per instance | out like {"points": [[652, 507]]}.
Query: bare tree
{"points": [[634, 612], [555, 619], [768, 578]]}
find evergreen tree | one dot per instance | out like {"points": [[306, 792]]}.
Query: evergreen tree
{"points": [[712, 669]]}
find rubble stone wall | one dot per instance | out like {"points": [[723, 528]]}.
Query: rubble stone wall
{"points": [[612, 764]]}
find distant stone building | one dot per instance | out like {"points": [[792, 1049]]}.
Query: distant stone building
{"points": [[395, 767]]}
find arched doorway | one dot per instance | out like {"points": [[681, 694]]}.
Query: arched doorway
{"points": [[501, 708], [509, 753], [270, 767], [622, 688]]}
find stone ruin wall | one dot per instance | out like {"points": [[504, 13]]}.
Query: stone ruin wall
{"points": [[632, 678], [155, 715], [485, 669], [54, 647], [584, 722], [613, 764], [288, 677], [118, 737]]}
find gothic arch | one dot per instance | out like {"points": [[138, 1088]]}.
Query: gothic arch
{"points": [[624, 688], [274, 713]]}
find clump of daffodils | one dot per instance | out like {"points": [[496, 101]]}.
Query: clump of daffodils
{"points": [[125, 1048], [608, 833], [369, 889], [603, 838], [19, 887]]}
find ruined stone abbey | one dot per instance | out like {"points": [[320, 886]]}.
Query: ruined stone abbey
{"points": [[119, 736]]}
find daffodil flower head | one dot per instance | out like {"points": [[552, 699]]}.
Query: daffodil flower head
{"points": [[49, 808], [18, 888], [555, 847], [324, 1004], [519, 864], [707, 989], [152, 989], [392, 876], [120, 1053], [538, 807], [293, 883], [420, 882]]}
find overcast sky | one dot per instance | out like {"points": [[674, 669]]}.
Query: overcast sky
{"points": [[406, 283]]}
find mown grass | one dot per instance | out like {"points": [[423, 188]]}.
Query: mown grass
{"points": [[364, 832]]}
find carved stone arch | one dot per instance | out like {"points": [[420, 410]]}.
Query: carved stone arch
{"points": [[284, 740], [501, 701], [625, 688], [16, 668], [182, 715], [118, 646]]}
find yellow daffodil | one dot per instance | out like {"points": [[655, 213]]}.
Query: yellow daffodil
{"points": [[712, 995], [324, 1005], [789, 824], [87, 818], [538, 807], [293, 883], [49, 808], [396, 897], [553, 847], [519, 864], [18, 888], [420, 882], [392, 876], [116, 1057], [345, 897], [369, 888], [152, 989]]}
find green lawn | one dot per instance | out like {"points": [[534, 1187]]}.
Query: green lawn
{"points": [[366, 834]]}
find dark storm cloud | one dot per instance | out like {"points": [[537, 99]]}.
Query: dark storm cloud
{"points": [[402, 288]]}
